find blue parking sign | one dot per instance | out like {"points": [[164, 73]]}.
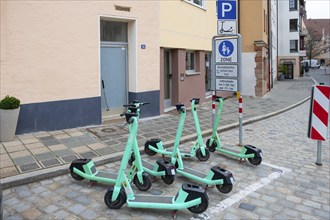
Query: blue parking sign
{"points": [[226, 9]]}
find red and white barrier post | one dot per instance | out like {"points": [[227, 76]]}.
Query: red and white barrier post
{"points": [[318, 117], [213, 109], [240, 118]]}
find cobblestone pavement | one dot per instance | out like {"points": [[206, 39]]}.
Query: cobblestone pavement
{"points": [[287, 185], [47, 153]]}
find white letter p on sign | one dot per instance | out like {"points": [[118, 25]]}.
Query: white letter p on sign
{"points": [[226, 7]]}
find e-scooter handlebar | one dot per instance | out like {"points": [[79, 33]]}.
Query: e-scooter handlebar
{"points": [[180, 107], [217, 98], [128, 116], [196, 100], [136, 104], [129, 105]]}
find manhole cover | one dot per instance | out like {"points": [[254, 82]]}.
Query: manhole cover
{"points": [[108, 130]]}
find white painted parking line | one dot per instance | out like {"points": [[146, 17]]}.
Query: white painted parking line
{"points": [[212, 212]]}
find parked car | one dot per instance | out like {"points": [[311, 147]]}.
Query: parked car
{"points": [[311, 63]]}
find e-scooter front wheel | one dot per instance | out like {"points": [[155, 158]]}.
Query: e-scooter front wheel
{"points": [[255, 160], [75, 176], [146, 185], [225, 188], [119, 202], [131, 160], [211, 147], [200, 156], [198, 209], [168, 179], [147, 149]]}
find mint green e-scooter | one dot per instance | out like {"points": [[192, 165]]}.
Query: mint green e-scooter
{"points": [[199, 150], [252, 154], [81, 169], [192, 197], [163, 167], [139, 173], [216, 176]]}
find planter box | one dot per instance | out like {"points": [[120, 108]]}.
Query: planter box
{"points": [[8, 123]]}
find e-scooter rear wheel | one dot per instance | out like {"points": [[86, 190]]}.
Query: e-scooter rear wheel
{"points": [[198, 209], [119, 202], [146, 185], [212, 146], [225, 188], [200, 156], [255, 160], [168, 179]]}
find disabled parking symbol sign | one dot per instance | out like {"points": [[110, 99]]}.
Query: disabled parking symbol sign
{"points": [[226, 48]]}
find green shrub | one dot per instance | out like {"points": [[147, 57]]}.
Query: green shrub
{"points": [[9, 102], [283, 68]]}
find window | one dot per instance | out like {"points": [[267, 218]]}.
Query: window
{"points": [[293, 25], [302, 43], [190, 61], [293, 5], [197, 2], [293, 46], [113, 31], [265, 22]]}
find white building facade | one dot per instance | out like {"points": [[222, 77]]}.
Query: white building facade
{"points": [[273, 22], [289, 46]]}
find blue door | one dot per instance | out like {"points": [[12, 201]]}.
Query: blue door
{"points": [[113, 77]]}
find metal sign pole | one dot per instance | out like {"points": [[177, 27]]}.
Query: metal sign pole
{"points": [[240, 89], [213, 81], [319, 153]]}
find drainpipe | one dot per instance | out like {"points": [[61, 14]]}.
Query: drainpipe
{"points": [[277, 46], [270, 78]]}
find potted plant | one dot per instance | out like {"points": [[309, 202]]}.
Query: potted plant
{"points": [[9, 111], [282, 71]]}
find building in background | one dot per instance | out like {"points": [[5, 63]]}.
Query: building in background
{"points": [[290, 36], [317, 42], [273, 40], [186, 31], [254, 28]]}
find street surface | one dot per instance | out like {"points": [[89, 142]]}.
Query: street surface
{"points": [[321, 75], [287, 185]]}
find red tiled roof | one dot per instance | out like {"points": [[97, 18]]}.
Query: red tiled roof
{"points": [[315, 27]]}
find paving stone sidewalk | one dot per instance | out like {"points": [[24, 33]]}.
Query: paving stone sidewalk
{"points": [[46, 152], [286, 185]]}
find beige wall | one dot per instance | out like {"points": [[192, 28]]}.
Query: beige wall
{"points": [[179, 29], [252, 23], [50, 49]]}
